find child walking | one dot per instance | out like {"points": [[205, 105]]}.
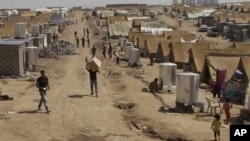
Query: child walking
{"points": [[216, 124], [226, 108]]}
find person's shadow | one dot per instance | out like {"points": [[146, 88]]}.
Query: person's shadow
{"points": [[30, 111], [78, 95]]}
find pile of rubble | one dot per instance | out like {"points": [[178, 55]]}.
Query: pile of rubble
{"points": [[60, 47]]}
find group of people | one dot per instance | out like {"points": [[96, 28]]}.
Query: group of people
{"points": [[42, 83], [110, 50], [82, 39], [216, 124]]}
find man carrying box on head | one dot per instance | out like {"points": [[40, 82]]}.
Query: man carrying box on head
{"points": [[93, 79]]}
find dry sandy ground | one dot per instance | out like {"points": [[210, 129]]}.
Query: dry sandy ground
{"points": [[122, 112]]}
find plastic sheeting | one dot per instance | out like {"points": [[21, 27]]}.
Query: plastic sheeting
{"points": [[156, 31], [119, 29]]}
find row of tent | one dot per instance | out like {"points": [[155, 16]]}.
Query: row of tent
{"points": [[197, 54], [121, 25], [9, 13]]}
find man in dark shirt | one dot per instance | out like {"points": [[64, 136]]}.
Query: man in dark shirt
{"points": [[77, 41], [83, 41], [93, 51], [43, 84], [93, 80], [104, 50], [110, 50]]}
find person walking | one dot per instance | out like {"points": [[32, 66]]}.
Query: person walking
{"points": [[93, 80], [117, 58], [75, 33], [104, 50], [84, 31], [217, 90], [43, 84], [87, 30], [110, 50], [83, 41], [54, 37], [226, 108], [93, 51], [216, 124], [77, 41], [88, 40]]}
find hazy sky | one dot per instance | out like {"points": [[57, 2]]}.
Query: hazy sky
{"points": [[33, 4]]}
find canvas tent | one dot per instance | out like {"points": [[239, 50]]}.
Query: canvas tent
{"points": [[118, 30], [212, 44], [179, 53], [245, 60], [194, 14], [105, 14], [151, 47], [225, 52], [163, 51], [141, 40], [113, 19], [197, 56], [230, 63], [183, 38], [167, 34], [244, 46], [156, 27]]}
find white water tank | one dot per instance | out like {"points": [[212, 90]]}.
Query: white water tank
{"points": [[167, 74], [20, 30], [126, 50], [187, 88], [32, 56], [122, 41], [134, 56], [35, 31]]}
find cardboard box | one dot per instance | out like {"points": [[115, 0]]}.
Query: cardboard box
{"points": [[94, 64]]}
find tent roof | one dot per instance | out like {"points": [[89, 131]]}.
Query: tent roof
{"points": [[222, 62], [136, 34], [238, 19], [112, 19], [229, 51], [164, 46], [244, 46], [180, 51], [174, 32], [142, 38], [198, 53], [212, 44], [221, 45], [137, 22], [246, 64], [186, 37], [153, 44]]}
